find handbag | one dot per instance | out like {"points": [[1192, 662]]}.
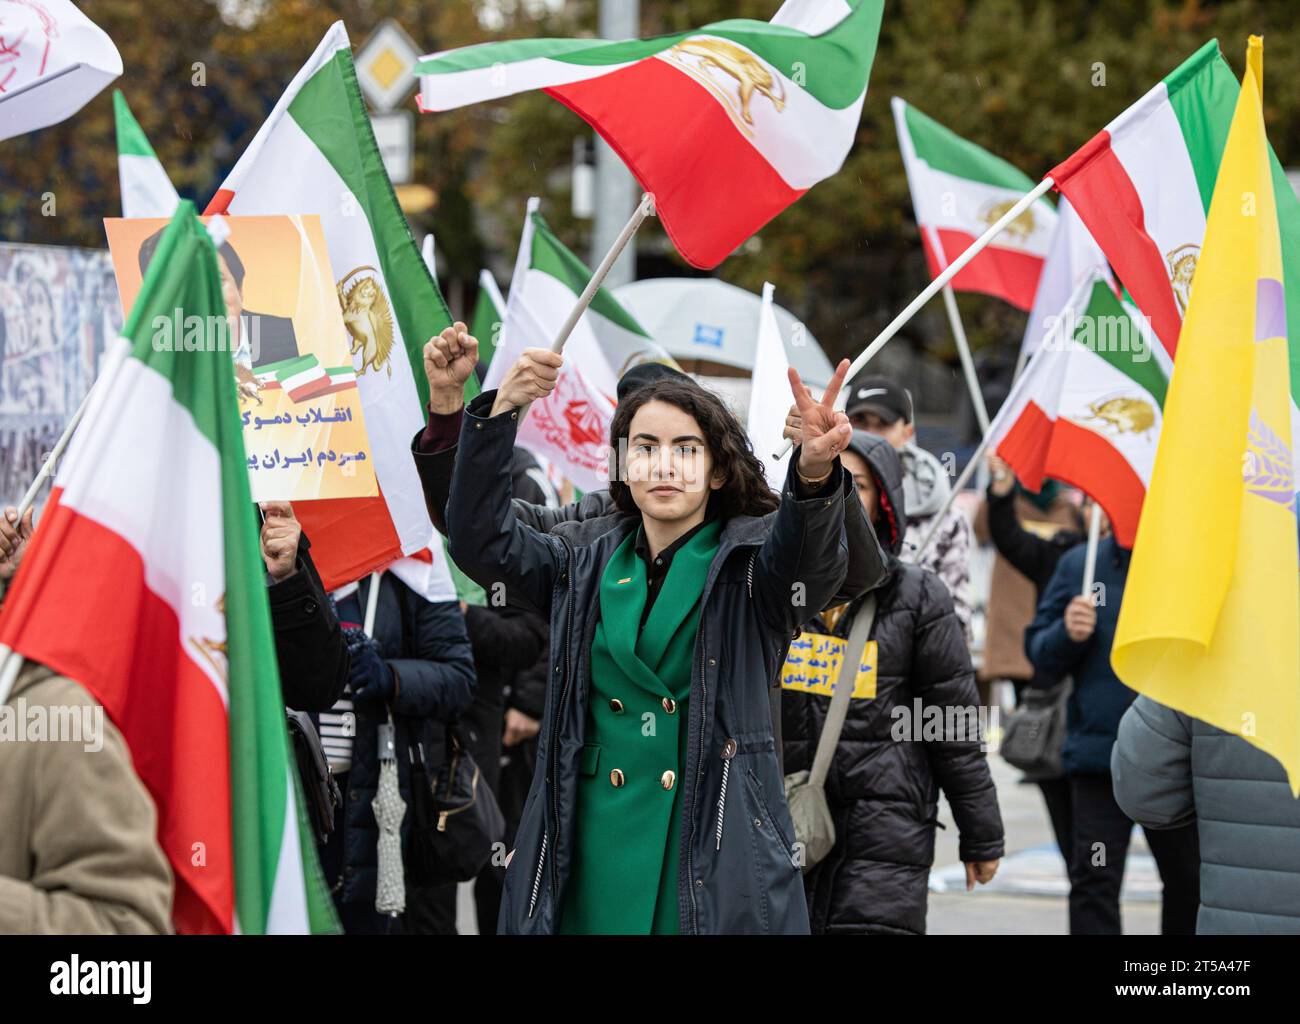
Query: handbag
{"points": [[814, 828], [457, 821], [1035, 731], [320, 789]]}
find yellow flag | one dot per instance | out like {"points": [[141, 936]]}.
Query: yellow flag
{"points": [[1210, 623]]}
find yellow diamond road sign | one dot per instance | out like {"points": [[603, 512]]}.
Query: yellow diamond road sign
{"points": [[385, 64]]}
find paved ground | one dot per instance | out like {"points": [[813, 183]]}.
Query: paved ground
{"points": [[1028, 896]]}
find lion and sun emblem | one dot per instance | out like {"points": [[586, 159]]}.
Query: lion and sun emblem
{"points": [[368, 318], [700, 57]]}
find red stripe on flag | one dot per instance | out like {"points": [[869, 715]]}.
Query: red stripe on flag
{"points": [[220, 202], [350, 537], [1095, 182], [81, 606], [1024, 448], [1003, 273], [711, 197], [1036, 448]]}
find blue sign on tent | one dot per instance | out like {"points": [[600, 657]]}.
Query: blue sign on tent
{"points": [[706, 335]]}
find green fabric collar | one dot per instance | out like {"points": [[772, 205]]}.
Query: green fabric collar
{"points": [[623, 597]]}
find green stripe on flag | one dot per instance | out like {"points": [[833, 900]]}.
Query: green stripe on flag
{"points": [[944, 150], [1203, 94], [486, 326], [834, 66], [553, 257], [131, 140], [1131, 353], [330, 110]]}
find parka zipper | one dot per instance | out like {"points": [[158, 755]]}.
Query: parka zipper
{"points": [[728, 752], [699, 773], [567, 573]]}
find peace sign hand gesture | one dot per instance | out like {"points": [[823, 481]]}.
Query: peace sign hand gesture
{"points": [[826, 432]]}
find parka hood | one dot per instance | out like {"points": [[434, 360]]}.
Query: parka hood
{"points": [[887, 470]]}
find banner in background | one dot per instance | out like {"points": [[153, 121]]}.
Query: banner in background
{"points": [[58, 307]]}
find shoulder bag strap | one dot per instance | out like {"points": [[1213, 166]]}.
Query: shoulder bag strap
{"points": [[830, 737]]}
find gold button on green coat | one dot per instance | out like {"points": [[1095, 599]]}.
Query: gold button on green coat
{"points": [[627, 839]]}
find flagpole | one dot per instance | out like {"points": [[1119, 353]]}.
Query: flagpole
{"points": [[11, 663], [967, 363], [971, 466], [372, 603], [952, 270], [645, 209], [1090, 556]]}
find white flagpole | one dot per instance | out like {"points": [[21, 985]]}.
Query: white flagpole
{"points": [[952, 270], [645, 209], [1090, 556], [967, 363], [372, 603], [11, 663], [972, 465]]}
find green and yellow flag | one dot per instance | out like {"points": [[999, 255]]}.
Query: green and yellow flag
{"points": [[1210, 623]]}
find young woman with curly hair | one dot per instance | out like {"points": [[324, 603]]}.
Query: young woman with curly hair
{"points": [[658, 805]]}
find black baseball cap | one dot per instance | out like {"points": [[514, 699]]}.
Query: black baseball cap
{"points": [[646, 373], [881, 396]]}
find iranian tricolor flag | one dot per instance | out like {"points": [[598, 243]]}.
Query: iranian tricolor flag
{"points": [[548, 280], [145, 584], [726, 125], [1087, 410], [958, 191], [1143, 187], [55, 61], [317, 154], [146, 189]]}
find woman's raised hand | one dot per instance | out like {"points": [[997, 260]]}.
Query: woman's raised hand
{"points": [[532, 377], [449, 359], [826, 432]]}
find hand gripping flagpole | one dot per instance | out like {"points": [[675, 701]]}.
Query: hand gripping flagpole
{"points": [[645, 209], [952, 270]]}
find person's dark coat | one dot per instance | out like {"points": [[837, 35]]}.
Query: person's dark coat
{"points": [[864, 570], [507, 640], [884, 781], [309, 644], [744, 879], [1032, 556], [427, 647], [1171, 770], [1099, 699]]}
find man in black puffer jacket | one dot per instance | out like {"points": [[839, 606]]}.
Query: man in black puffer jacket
{"points": [[884, 782]]}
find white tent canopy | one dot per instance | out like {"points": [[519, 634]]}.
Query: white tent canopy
{"points": [[702, 321]]}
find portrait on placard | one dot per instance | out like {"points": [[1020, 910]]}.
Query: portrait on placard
{"points": [[290, 350]]}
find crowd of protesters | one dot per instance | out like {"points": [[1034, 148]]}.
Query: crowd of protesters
{"points": [[631, 709]]}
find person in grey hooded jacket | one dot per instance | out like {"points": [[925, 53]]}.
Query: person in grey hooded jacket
{"points": [[1170, 770]]}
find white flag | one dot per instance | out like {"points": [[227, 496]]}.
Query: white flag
{"points": [[53, 61], [769, 394]]}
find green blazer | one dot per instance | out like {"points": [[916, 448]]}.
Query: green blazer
{"points": [[628, 822]]}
